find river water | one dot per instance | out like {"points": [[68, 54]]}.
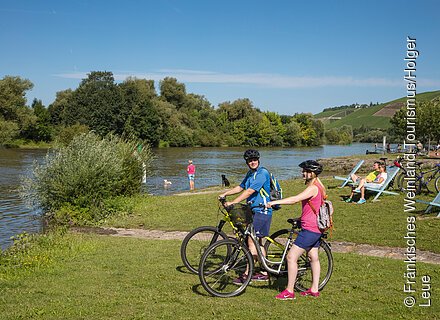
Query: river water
{"points": [[169, 164]]}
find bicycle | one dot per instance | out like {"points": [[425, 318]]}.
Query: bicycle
{"points": [[228, 259], [195, 243], [420, 181]]}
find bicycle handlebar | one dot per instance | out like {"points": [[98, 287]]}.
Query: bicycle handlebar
{"points": [[223, 201]]}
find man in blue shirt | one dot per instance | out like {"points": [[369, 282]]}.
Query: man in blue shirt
{"points": [[256, 179]]}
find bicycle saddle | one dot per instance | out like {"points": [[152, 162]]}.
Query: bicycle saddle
{"points": [[296, 223]]}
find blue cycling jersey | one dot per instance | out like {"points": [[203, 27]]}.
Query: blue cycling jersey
{"points": [[257, 179]]}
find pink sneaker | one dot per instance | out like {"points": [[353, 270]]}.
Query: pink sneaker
{"points": [[285, 295], [309, 292]]}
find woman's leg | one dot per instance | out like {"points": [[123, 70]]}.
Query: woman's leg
{"points": [[363, 192], [354, 177], [292, 266], [361, 184], [316, 268]]}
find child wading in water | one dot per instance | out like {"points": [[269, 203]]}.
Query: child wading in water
{"points": [[309, 238]]}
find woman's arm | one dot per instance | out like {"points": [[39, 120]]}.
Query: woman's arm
{"points": [[309, 192], [380, 180]]}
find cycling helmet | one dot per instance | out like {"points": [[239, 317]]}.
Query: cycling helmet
{"points": [[251, 154], [311, 166]]}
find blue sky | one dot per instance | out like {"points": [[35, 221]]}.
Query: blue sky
{"points": [[286, 56]]}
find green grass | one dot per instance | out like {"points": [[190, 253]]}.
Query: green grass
{"points": [[87, 276], [364, 117], [378, 223], [329, 113], [102, 277]]}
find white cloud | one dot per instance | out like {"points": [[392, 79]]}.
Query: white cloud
{"points": [[259, 79]]}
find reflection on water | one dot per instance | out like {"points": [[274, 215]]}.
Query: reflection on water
{"points": [[170, 164]]}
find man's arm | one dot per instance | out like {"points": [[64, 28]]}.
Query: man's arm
{"points": [[246, 194], [234, 190]]}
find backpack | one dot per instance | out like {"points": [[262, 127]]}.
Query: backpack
{"points": [[324, 216], [276, 192]]}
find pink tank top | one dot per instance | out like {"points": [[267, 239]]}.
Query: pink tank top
{"points": [[308, 217], [191, 169]]}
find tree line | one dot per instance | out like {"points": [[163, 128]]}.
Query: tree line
{"points": [[170, 117], [173, 117]]}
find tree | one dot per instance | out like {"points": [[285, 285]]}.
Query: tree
{"points": [[426, 122], [342, 135], [138, 112], [13, 110], [12, 97], [278, 128], [173, 91], [428, 119], [8, 131], [95, 103], [292, 136], [312, 130], [57, 108], [41, 130]]}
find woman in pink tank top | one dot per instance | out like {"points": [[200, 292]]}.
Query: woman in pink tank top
{"points": [[309, 238]]}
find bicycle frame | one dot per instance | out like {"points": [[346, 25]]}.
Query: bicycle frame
{"points": [[431, 175], [250, 231]]}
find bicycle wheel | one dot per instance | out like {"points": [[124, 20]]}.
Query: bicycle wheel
{"points": [[221, 264], [275, 248], [400, 179], [437, 184], [304, 277], [420, 185], [195, 244]]}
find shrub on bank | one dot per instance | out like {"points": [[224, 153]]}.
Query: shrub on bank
{"points": [[82, 176]]}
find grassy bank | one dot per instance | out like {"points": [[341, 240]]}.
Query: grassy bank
{"points": [[79, 276], [379, 223], [101, 277]]}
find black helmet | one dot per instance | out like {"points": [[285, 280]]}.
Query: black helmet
{"points": [[251, 154], [311, 166]]}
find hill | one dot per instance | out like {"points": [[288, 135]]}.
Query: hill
{"points": [[375, 117]]}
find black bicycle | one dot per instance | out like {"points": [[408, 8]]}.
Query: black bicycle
{"points": [[422, 178], [196, 241]]}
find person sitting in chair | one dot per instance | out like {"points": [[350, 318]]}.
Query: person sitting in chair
{"points": [[370, 177], [377, 183]]}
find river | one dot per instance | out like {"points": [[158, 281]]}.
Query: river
{"points": [[169, 164]]}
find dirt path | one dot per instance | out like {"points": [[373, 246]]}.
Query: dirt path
{"points": [[340, 247]]}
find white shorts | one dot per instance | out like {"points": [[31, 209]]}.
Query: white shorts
{"points": [[371, 185]]}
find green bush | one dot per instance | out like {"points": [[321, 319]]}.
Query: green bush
{"points": [[66, 134], [30, 251], [82, 176]]}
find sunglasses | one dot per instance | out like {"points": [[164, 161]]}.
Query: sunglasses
{"points": [[251, 160]]}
